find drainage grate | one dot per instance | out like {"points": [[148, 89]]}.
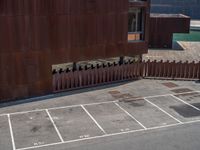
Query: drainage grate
{"points": [[170, 84]]}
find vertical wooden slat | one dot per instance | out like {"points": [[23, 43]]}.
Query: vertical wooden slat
{"points": [[63, 80], [198, 71], [186, 70]]}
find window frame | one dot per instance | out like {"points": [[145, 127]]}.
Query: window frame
{"points": [[142, 26]]}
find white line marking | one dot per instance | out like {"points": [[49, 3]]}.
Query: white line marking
{"points": [[185, 102], [108, 102], [93, 119], [130, 116], [55, 108], [110, 135], [58, 132], [163, 110], [172, 94], [22, 112], [89, 104], [11, 133]]}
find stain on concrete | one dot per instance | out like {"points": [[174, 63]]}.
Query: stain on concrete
{"points": [[189, 97], [132, 99], [186, 111], [35, 129], [181, 90], [136, 104], [114, 92], [50, 126], [196, 105], [70, 110], [195, 94], [118, 121], [38, 113], [126, 96], [119, 95]]}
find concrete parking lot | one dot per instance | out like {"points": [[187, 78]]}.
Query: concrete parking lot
{"points": [[101, 116]]}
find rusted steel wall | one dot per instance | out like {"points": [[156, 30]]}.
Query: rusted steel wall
{"points": [[162, 28], [63, 80], [35, 34]]}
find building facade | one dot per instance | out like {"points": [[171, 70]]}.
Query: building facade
{"points": [[36, 34], [163, 26]]}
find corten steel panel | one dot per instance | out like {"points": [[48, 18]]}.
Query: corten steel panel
{"points": [[163, 26], [35, 34]]}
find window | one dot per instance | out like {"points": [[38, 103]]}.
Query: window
{"points": [[135, 24]]}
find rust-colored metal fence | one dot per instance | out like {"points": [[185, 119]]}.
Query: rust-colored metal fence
{"points": [[68, 79], [172, 70]]}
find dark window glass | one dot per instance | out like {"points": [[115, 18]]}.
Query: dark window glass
{"points": [[135, 24]]}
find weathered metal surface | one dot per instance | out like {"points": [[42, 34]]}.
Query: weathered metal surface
{"points": [[173, 70], [162, 27], [35, 34], [133, 70]]}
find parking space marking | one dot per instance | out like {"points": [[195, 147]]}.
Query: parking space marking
{"points": [[112, 118], [93, 119], [185, 102], [105, 134], [131, 116], [163, 111], [11, 132], [58, 132], [110, 135], [33, 129], [75, 123], [89, 104]]}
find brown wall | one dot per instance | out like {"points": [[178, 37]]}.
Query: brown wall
{"points": [[35, 34], [162, 28]]}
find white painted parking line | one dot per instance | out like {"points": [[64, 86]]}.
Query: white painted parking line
{"points": [[89, 104], [109, 135], [58, 132], [93, 119], [185, 102], [131, 116], [55, 108], [154, 96], [163, 110], [11, 132]]}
